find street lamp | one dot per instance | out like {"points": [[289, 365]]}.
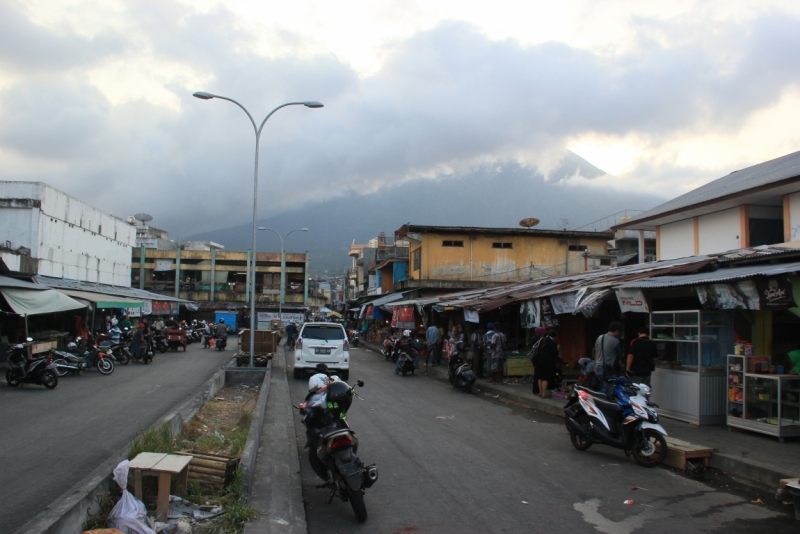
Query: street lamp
{"points": [[283, 268], [257, 129]]}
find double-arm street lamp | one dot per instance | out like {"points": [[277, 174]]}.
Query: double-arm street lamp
{"points": [[257, 129], [283, 268]]}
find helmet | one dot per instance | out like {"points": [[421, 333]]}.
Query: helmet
{"points": [[317, 382], [72, 346], [406, 333], [340, 393], [222, 321], [333, 379]]}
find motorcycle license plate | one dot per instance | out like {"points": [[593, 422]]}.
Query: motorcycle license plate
{"points": [[323, 350]]}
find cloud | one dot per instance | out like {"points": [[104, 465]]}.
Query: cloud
{"points": [[443, 102]]}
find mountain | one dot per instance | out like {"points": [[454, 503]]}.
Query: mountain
{"points": [[492, 196]]}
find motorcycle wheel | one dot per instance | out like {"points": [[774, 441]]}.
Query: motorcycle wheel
{"points": [[123, 358], [105, 366], [12, 382], [468, 389], [356, 499], [646, 448], [49, 379], [59, 370], [162, 349], [578, 441]]}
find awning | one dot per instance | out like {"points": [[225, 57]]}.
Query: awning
{"points": [[103, 301], [391, 297], [38, 301], [720, 275]]}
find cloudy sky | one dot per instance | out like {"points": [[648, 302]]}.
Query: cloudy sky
{"points": [[95, 96]]}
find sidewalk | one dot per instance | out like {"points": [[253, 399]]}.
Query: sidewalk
{"points": [[756, 457], [277, 491]]}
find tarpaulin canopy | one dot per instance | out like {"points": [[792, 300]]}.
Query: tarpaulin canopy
{"points": [[38, 301], [103, 301]]}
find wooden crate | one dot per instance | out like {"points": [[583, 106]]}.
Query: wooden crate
{"points": [[681, 452], [266, 342], [43, 346], [211, 471]]}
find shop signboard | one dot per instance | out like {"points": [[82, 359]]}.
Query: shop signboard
{"points": [[775, 293], [759, 294], [263, 319], [588, 303], [133, 312], [563, 304], [632, 300], [160, 307], [174, 308], [530, 313], [547, 318], [147, 309], [403, 317], [164, 265], [471, 316]]}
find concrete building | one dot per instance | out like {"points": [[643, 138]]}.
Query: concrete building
{"points": [[759, 205], [464, 257], [47, 232], [369, 274]]}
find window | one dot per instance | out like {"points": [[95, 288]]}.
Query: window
{"points": [[578, 248], [452, 243], [416, 258], [501, 244], [605, 261], [326, 333]]}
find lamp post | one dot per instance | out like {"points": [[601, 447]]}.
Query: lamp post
{"points": [[283, 268], [257, 129]]}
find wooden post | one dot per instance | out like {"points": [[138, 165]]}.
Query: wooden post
{"points": [[162, 508]]}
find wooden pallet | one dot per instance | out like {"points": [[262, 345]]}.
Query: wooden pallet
{"points": [[680, 452], [211, 471]]}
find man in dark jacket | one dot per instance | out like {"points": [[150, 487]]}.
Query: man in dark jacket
{"points": [[641, 354]]}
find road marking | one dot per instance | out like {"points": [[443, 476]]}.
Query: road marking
{"points": [[591, 514]]}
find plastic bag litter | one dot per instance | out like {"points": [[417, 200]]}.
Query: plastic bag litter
{"points": [[129, 514], [179, 508]]}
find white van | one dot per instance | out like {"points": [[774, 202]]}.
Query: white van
{"points": [[322, 343]]}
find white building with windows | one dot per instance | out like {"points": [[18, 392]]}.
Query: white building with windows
{"points": [[756, 206], [44, 231]]}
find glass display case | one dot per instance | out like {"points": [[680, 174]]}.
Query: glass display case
{"points": [[689, 382], [766, 403]]}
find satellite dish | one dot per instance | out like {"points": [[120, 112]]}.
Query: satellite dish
{"points": [[530, 222], [144, 217]]}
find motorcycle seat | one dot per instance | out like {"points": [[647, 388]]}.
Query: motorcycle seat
{"points": [[607, 406]]}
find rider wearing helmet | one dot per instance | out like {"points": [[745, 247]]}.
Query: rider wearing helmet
{"points": [[405, 344]]}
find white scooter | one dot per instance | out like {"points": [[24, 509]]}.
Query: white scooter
{"points": [[629, 423]]}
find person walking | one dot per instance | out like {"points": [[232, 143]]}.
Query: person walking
{"points": [[641, 353], [607, 353], [547, 363], [476, 341], [432, 337], [498, 345]]}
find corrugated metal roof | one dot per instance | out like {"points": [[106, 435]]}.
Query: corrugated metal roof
{"points": [[105, 289], [7, 281], [766, 173], [756, 252], [721, 275]]}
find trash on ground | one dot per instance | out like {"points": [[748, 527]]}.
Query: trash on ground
{"points": [[524, 502], [445, 417], [757, 501], [179, 508], [629, 501], [129, 514]]}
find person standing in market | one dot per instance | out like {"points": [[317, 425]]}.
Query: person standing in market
{"points": [[476, 342], [487, 344], [547, 363], [607, 353], [640, 360], [498, 345], [125, 323], [432, 337]]}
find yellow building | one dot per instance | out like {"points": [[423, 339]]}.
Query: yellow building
{"points": [[441, 256]]}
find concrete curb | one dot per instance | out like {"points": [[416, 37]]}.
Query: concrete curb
{"points": [[67, 513], [250, 452], [755, 473]]}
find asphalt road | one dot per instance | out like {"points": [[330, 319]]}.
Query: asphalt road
{"points": [[450, 462], [50, 440]]}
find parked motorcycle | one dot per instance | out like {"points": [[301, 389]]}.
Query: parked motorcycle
{"points": [[352, 336], [333, 445], [66, 361], [160, 342], [460, 374], [630, 423], [20, 369]]}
